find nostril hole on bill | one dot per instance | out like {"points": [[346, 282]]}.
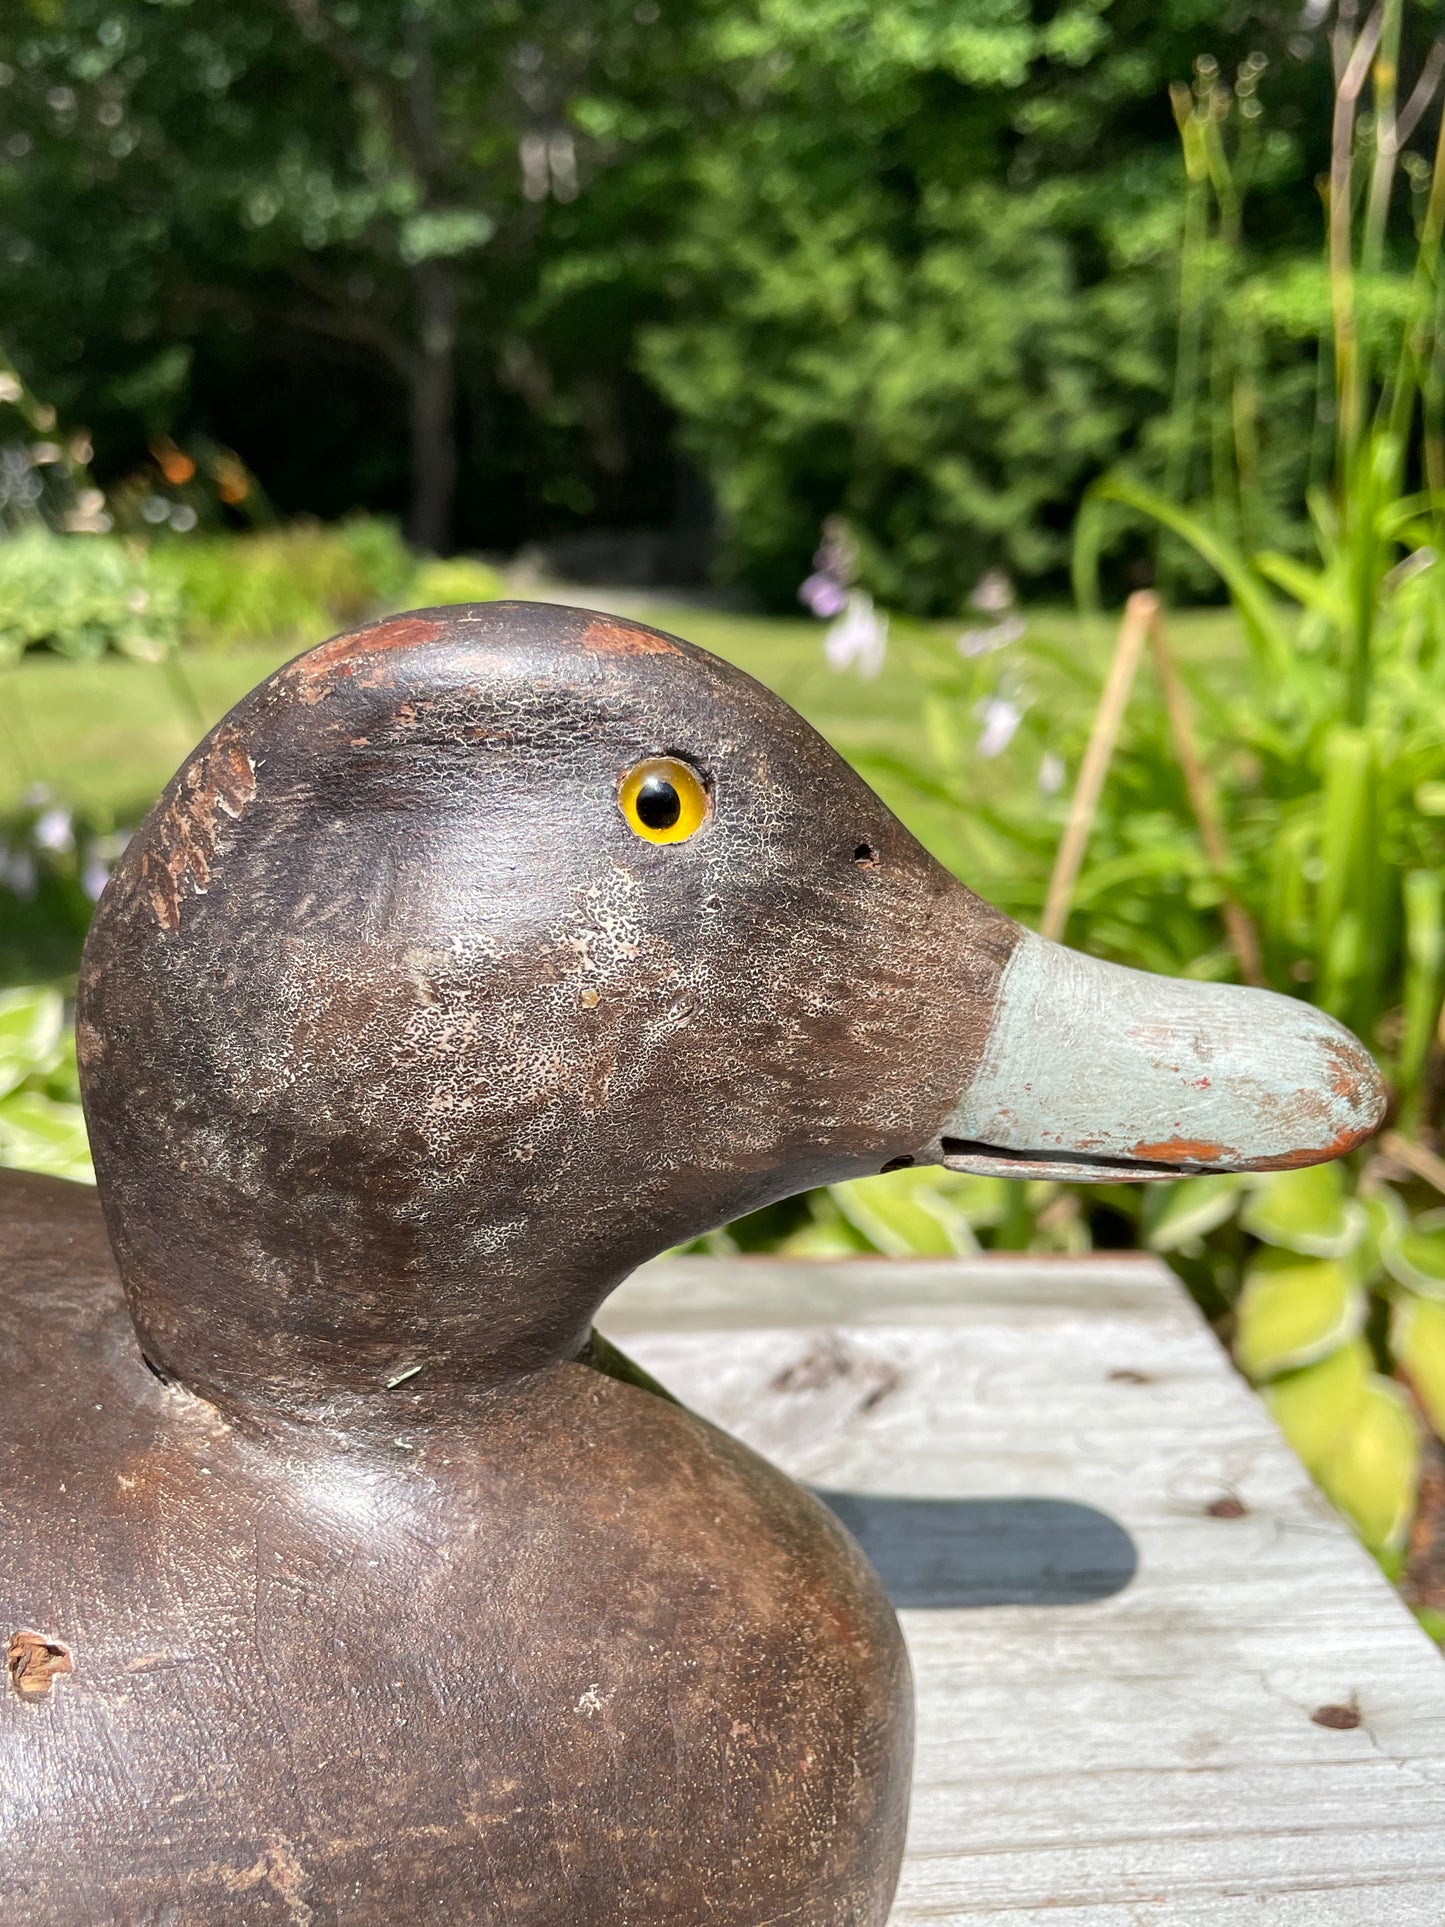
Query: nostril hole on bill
{"points": [[866, 857]]}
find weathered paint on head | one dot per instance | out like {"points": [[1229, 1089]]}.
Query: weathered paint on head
{"points": [[218, 782], [604, 637], [358, 652], [415, 1048], [399, 1046]]}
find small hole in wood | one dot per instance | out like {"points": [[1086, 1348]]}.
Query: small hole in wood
{"points": [[1343, 1719], [1227, 1508], [866, 857]]}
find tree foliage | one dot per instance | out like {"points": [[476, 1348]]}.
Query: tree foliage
{"points": [[205, 202], [929, 269], [915, 262]]}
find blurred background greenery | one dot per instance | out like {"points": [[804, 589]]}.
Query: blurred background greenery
{"points": [[527, 272], [970, 317]]}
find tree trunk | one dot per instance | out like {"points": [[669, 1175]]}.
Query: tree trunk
{"points": [[433, 406]]}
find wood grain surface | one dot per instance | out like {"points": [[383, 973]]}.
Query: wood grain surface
{"points": [[1146, 1602]]}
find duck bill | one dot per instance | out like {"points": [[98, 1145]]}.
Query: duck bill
{"points": [[1098, 1074]]}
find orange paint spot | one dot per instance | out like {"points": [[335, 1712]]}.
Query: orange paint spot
{"points": [[1345, 1080], [1348, 1139], [1181, 1150], [311, 673], [626, 639]]}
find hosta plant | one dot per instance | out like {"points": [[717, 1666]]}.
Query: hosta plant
{"points": [[1339, 1319], [41, 1126]]}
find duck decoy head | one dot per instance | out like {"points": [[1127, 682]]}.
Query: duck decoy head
{"points": [[481, 954]]}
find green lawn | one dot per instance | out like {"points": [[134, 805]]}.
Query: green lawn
{"points": [[104, 737]]}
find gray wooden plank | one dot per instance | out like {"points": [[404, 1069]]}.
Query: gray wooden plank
{"points": [[1115, 1684]]}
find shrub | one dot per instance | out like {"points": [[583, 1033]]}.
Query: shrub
{"points": [[297, 584], [82, 596], [437, 583]]}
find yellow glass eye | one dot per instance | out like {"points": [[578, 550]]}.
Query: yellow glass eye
{"points": [[663, 800]]}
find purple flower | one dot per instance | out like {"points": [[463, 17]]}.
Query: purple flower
{"points": [[1000, 717], [860, 635], [53, 831], [824, 594]]}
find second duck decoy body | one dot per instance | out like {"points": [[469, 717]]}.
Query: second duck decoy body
{"points": [[474, 958]]}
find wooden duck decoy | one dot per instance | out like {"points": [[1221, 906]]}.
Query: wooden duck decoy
{"points": [[474, 958]]}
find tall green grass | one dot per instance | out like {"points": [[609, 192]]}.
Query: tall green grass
{"points": [[1333, 1282]]}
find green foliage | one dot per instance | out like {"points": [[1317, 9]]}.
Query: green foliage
{"points": [[1417, 1338], [304, 582], [1300, 1325], [1372, 1472], [906, 1214], [943, 323], [1325, 747], [1294, 1311], [1337, 730], [1335, 850], [1314, 1405], [1335, 747], [41, 1126], [44, 482], [951, 397], [460, 579], [82, 596], [1189, 1211], [206, 206], [912, 261], [1304, 1211], [53, 865], [923, 1212], [1415, 1258]]}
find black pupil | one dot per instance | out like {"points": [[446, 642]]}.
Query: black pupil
{"points": [[658, 803]]}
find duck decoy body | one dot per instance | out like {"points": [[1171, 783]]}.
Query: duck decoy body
{"points": [[474, 958]]}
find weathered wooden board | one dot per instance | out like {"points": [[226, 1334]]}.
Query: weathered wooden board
{"points": [[1115, 1683]]}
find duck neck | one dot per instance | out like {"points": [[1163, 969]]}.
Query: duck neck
{"points": [[411, 1327]]}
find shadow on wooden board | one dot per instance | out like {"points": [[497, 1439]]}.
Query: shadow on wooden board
{"points": [[988, 1552]]}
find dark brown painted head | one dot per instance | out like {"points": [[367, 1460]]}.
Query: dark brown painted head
{"points": [[415, 1016]]}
